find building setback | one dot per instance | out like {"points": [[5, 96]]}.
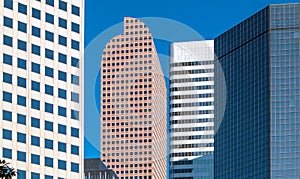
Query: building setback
{"points": [[258, 136], [94, 168], [41, 71], [133, 105], [192, 109]]}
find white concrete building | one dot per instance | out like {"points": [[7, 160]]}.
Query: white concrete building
{"points": [[41, 87]]}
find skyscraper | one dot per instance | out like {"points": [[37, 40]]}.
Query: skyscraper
{"points": [[41, 71], [133, 105], [192, 109], [258, 136], [94, 168]]}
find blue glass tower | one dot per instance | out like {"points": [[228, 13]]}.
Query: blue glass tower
{"points": [[257, 136]]}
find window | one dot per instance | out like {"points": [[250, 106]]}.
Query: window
{"points": [[35, 104], [62, 147], [35, 49], [75, 62], [48, 162], [62, 129], [48, 107], [36, 13], [49, 54], [21, 100], [49, 18], [48, 126], [62, 111], [75, 45], [62, 58], [22, 27], [49, 72], [7, 153], [75, 97], [35, 175], [8, 22], [62, 164], [62, 93], [35, 122], [75, 10], [62, 5], [49, 36], [48, 144], [35, 86], [7, 78], [48, 177], [49, 90], [6, 134], [75, 79], [74, 114], [74, 149], [8, 4], [35, 67], [7, 96], [75, 132], [7, 115], [50, 2], [21, 82], [21, 137], [21, 119], [35, 140], [36, 31], [22, 45], [75, 27], [21, 63], [7, 59], [62, 40], [21, 156], [62, 75], [35, 159], [74, 167], [62, 23], [7, 40], [22, 8]]}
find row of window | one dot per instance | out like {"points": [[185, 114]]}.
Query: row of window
{"points": [[189, 80], [127, 45], [125, 160], [22, 8], [192, 129], [195, 137], [187, 113], [186, 154], [190, 96], [35, 104], [22, 63], [125, 117], [186, 146], [188, 88], [35, 49], [188, 121], [137, 57], [196, 63], [189, 72], [22, 175], [197, 104]]}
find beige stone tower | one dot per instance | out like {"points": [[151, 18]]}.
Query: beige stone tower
{"points": [[133, 105]]}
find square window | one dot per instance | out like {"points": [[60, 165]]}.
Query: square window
{"points": [[35, 122], [21, 156], [35, 159], [75, 97], [6, 134], [21, 82], [75, 132], [62, 147], [62, 75], [7, 153], [62, 129], [75, 45], [62, 23], [49, 18], [74, 114], [35, 140], [21, 119], [22, 27], [7, 97], [75, 62], [75, 10], [8, 22], [48, 177], [22, 8], [35, 67], [62, 58], [7, 59], [49, 36], [48, 144], [35, 175], [75, 79], [36, 13], [22, 45], [21, 100], [8, 4], [74, 149], [75, 27], [62, 5], [62, 93], [21, 63], [62, 111], [62, 40], [7, 78], [21, 137], [21, 174], [48, 126], [7, 40], [49, 54], [36, 31], [35, 104], [74, 167], [7, 115], [35, 49], [50, 2], [62, 164], [49, 72], [48, 107], [35, 86], [48, 162], [49, 90]]}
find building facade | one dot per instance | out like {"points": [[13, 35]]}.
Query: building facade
{"points": [[41, 72], [95, 169], [258, 136], [133, 105], [192, 109]]}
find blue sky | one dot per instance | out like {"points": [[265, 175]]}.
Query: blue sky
{"points": [[209, 18]]}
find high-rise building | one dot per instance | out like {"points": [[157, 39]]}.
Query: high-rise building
{"points": [[258, 136], [94, 168], [133, 105], [41, 71], [192, 109]]}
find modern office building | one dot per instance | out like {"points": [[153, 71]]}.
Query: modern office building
{"points": [[133, 105], [258, 136], [95, 169], [192, 109], [41, 82]]}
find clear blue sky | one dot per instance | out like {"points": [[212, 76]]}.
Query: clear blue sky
{"points": [[209, 18]]}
